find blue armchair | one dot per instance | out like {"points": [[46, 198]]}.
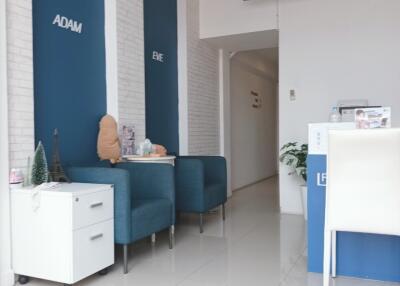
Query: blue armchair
{"points": [[201, 184], [144, 199]]}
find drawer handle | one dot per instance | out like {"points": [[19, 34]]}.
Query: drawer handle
{"points": [[96, 205], [97, 236]]}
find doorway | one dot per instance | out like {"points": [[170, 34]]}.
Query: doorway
{"points": [[254, 116]]}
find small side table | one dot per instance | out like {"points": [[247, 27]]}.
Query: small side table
{"points": [[140, 159]]}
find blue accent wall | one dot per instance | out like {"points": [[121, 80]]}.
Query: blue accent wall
{"points": [[69, 77], [160, 33]]}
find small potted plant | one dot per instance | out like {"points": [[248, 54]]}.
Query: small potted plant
{"points": [[295, 156]]}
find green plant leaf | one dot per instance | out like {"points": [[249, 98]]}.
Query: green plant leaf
{"points": [[295, 157]]}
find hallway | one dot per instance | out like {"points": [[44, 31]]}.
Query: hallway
{"points": [[255, 246]]}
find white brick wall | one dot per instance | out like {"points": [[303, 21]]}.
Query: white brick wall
{"points": [[20, 82], [203, 89], [131, 103]]}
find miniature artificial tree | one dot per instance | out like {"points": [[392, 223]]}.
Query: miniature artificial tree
{"points": [[40, 173]]}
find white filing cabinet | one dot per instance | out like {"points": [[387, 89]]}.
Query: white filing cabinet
{"points": [[63, 234]]}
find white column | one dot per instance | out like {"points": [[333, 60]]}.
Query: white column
{"points": [[6, 273], [110, 9], [225, 112], [183, 78]]}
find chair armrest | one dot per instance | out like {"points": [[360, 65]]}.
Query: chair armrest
{"points": [[122, 194], [214, 168]]}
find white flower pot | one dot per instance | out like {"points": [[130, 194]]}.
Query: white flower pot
{"points": [[304, 200]]}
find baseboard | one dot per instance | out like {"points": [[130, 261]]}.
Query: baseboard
{"points": [[254, 183], [7, 278], [291, 213]]}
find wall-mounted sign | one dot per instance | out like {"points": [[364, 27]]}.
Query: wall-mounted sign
{"points": [[159, 57], [321, 179], [256, 99], [68, 24]]}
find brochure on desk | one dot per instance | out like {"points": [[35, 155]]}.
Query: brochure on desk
{"points": [[372, 117], [358, 255]]}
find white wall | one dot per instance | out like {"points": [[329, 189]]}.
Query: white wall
{"points": [[131, 79], [16, 95], [20, 82], [227, 17], [202, 88], [332, 50], [253, 130]]}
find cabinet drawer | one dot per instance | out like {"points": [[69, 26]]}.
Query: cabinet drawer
{"points": [[93, 249], [93, 208]]}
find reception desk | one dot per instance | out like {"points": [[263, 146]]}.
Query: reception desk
{"points": [[360, 255]]}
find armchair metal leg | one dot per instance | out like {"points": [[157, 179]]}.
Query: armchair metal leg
{"points": [[171, 236], [201, 223], [153, 238], [223, 211], [125, 258]]}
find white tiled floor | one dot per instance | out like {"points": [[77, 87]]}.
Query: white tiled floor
{"points": [[255, 246]]}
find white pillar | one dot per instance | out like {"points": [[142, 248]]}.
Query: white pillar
{"points": [[6, 273], [183, 78], [110, 8], [225, 112]]}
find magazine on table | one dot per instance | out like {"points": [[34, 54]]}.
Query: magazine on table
{"points": [[127, 140]]}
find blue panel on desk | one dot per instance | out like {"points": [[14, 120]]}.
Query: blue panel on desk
{"points": [[69, 75], [358, 255], [316, 211]]}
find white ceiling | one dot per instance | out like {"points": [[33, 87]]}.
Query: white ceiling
{"points": [[247, 41]]}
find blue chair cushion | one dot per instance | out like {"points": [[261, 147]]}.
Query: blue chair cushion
{"points": [[150, 216]]}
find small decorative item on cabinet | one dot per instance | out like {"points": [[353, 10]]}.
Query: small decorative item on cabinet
{"points": [[16, 179], [40, 172], [57, 173]]}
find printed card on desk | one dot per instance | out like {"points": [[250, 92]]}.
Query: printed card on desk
{"points": [[370, 118], [127, 139]]}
